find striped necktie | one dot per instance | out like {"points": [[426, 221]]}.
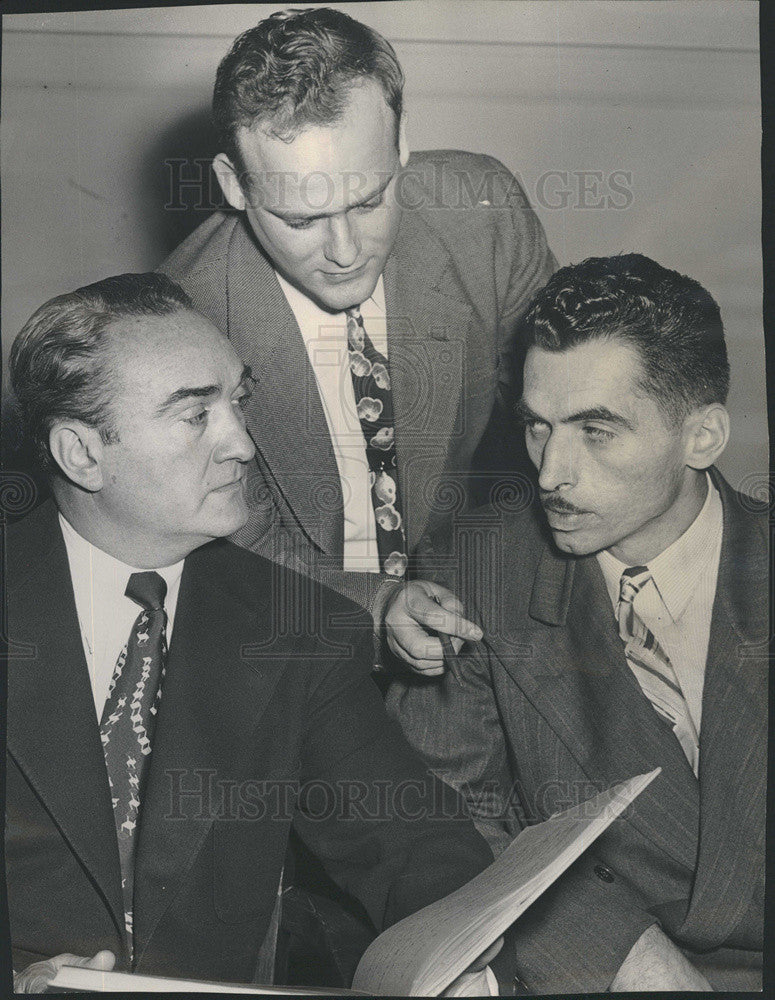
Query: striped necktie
{"points": [[652, 667], [374, 404], [129, 718]]}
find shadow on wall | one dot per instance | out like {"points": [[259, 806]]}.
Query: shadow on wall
{"points": [[178, 192], [23, 486], [179, 187]]}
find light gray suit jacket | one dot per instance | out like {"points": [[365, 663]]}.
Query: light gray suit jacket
{"points": [[468, 255]]}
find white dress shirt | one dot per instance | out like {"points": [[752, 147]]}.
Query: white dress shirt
{"points": [[105, 613], [325, 337], [677, 603]]}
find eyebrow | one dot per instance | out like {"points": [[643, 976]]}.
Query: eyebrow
{"points": [[197, 392], [291, 217], [524, 412]]}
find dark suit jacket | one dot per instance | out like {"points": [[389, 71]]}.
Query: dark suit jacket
{"points": [[550, 713], [468, 255], [269, 718]]}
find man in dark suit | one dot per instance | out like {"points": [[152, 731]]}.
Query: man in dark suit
{"points": [[150, 793], [626, 624], [377, 294]]}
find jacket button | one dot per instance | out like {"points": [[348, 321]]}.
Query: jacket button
{"points": [[603, 873]]}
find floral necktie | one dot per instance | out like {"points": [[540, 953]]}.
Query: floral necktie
{"points": [[374, 403]]}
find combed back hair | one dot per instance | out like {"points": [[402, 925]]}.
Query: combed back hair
{"points": [[296, 69], [668, 318], [59, 368]]}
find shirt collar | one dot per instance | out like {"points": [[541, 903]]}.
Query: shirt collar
{"points": [[676, 570], [311, 317], [89, 563]]}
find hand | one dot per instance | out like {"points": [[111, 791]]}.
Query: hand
{"points": [[486, 957], [36, 977], [655, 963], [473, 982], [414, 613]]}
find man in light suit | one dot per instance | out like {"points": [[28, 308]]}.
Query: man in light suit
{"points": [[345, 257], [150, 794], [626, 626]]}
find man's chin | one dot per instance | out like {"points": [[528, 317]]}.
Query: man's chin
{"points": [[229, 520], [337, 296], [575, 543]]}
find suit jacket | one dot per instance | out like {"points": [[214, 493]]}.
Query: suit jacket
{"points": [[269, 718], [550, 713], [468, 255]]}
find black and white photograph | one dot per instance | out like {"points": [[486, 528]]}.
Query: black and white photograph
{"points": [[386, 509]]}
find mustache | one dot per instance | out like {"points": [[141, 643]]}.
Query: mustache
{"points": [[557, 503]]}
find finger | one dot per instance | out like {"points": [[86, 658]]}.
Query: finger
{"points": [[35, 978], [430, 613], [65, 959], [413, 646], [423, 652], [103, 961], [424, 671], [449, 602], [486, 957]]}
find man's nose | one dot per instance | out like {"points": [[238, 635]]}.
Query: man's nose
{"points": [[557, 463], [235, 444], [341, 246]]}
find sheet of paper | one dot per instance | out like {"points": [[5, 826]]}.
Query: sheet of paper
{"points": [[93, 981], [424, 953]]}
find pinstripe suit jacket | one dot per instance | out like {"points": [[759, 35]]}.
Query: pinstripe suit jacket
{"points": [[468, 255], [549, 713]]}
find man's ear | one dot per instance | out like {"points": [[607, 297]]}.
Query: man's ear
{"points": [[77, 449], [403, 145], [708, 433], [228, 178]]}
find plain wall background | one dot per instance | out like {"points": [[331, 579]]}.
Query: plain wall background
{"points": [[661, 100]]}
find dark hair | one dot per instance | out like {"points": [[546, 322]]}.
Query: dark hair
{"points": [[670, 320], [57, 361], [296, 68]]}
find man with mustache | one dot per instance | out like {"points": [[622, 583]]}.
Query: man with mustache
{"points": [[626, 622], [176, 705]]}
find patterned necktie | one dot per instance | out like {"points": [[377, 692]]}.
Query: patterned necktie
{"points": [[129, 717], [652, 666], [374, 404]]}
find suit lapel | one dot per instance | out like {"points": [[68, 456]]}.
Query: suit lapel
{"points": [[53, 733], [733, 736], [577, 677], [426, 326], [285, 415], [212, 701]]}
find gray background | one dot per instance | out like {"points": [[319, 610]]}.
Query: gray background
{"points": [[659, 100]]}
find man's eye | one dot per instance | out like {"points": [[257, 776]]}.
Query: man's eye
{"points": [[597, 433], [242, 401], [200, 417], [535, 426]]}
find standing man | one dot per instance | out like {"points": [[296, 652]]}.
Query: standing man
{"points": [[626, 625], [378, 295], [172, 711]]}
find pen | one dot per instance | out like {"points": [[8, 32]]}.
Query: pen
{"points": [[450, 656]]}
